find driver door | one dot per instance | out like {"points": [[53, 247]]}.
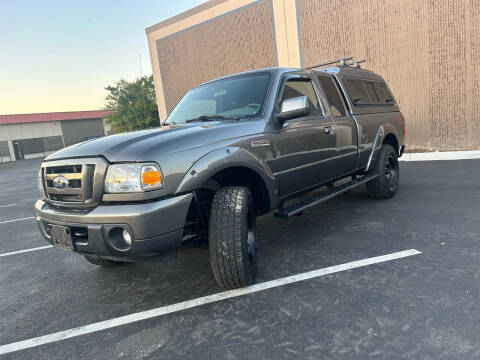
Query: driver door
{"points": [[304, 145]]}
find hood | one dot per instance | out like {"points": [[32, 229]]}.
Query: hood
{"points": [[145, 145]]}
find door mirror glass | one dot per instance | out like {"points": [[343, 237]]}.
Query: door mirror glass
{"points": [[293, 108]]}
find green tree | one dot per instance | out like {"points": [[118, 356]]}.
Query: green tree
{"points": [[133, 105]]}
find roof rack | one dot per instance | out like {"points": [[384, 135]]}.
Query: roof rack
{"points": [[342, 62], [356, 64]]}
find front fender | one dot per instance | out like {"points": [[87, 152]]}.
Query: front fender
{"points": [[220, 159]]}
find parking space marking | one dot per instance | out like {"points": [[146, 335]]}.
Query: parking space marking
{"points": [[21, 219], [2, 206], [148, 314], [26, 250]]}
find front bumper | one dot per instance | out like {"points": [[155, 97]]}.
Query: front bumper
{"points": [[156, 227]]}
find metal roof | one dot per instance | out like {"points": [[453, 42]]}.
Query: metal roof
{"points": [[54, 116]]}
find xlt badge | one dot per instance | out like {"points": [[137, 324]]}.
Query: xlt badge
{"points": [[260, 143]]}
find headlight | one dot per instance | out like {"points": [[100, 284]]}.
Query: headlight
{"points": [[40, 185], [133, 177]]}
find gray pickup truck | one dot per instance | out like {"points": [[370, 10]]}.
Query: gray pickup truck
{"points": [[232, 149]]}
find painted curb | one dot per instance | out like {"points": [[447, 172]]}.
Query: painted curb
{"points": [[441, 155]]}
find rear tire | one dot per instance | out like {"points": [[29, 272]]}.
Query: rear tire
{"points": [[231, 237], [386, 166], [102, 262]]}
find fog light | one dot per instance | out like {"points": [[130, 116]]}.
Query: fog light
{"points": [[127, 237]]}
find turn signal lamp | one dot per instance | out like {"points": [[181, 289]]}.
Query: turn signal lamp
{"points": [[151, 177]]}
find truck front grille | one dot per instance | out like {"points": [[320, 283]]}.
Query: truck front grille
{"points": [[74, 182]]}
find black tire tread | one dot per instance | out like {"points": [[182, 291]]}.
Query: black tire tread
{"points": [[378, 188], [227, 233]]}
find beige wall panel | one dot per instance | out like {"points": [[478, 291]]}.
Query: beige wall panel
{"points": [[157, 79], [473, 44], [447, 71], [427, 51], [286, 33], [239, 41], [199, 14], [29, 130]]}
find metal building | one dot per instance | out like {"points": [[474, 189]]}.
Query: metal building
{"points": [[25, 136], [428, 51]]}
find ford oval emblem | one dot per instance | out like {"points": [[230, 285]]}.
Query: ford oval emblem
{"points": [[60, 182]]}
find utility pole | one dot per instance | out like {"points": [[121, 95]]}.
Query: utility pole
{"points": [[143, 91]]}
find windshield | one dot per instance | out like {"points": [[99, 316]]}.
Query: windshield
{"points": [[235, 97]]}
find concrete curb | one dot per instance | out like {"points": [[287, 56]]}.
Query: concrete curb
{"points": [[441, 155]]}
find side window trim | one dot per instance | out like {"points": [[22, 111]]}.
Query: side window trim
{"points": [[283, 81], [343, 95], [339, 91]]}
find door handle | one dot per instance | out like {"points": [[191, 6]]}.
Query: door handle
{"points": [[329, 130]]}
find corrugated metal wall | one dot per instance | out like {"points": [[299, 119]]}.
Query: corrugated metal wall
{"points": [[428, 51], [239, 41]]}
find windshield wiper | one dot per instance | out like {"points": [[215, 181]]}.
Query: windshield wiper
{"points": [[212, 117]]}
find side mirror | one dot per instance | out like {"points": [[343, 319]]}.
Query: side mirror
{"points": [[293, 108]]}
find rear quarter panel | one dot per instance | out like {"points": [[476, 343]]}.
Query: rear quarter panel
{"points": [[368, 126]]}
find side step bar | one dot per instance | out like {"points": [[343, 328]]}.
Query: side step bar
{"points": [[317, 199]]}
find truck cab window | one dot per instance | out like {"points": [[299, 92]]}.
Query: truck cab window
{"points": [[371, 92], [357, 92], [383, 94], [337, 108], [302, 87]]}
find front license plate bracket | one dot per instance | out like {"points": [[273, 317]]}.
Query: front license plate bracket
{"points": [[61, 237]]}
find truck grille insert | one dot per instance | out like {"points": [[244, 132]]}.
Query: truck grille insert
{"points": [[70, 169], [73, 185], [90, 175], [65, 198], [71, 175]]}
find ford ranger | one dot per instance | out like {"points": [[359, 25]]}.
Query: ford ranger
{"points": [[232, 149]]}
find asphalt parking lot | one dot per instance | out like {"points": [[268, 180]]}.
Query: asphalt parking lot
{"points": [[424, 306]]}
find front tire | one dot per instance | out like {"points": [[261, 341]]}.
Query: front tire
{"points": [[386, 166], [231, 237]]}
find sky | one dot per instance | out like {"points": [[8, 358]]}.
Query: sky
{"points": [[60, 55]]}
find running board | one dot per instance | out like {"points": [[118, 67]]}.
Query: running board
{"points": [[317, 199]]}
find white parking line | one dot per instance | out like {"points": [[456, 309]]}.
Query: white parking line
{"points": [[148, 314], [26, 250], [2, 206], [21, 219]]}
